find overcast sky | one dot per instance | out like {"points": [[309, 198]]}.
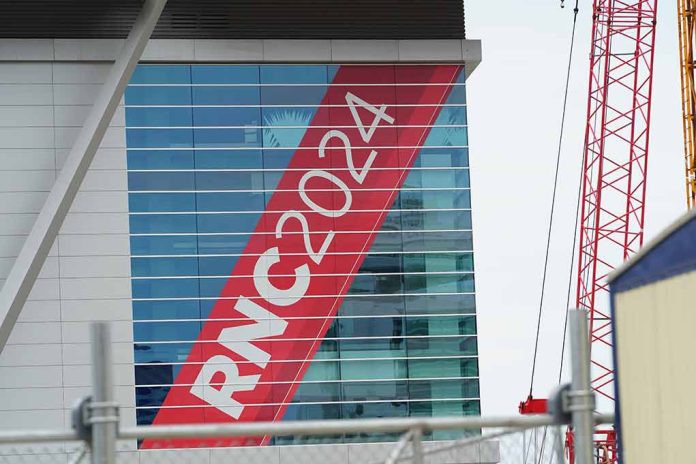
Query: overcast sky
{"points": [[515, 101]]}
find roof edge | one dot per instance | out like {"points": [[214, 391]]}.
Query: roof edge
{"points": [[647, 248]]}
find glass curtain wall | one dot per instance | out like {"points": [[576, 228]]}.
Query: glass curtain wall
{"points": [[207, 145]]}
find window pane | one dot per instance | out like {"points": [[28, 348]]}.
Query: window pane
{"points": [[145, 267], [456, 325], [185, 309], [227, 116], [451, 116], [160, 181], [152, 95], [371, 391], [161, 74], [159, 138], [160, 159], [226, 138], [230, 201], [229, 180], [443, 157], [225, 74], [166, 117], [161, 202], [440, 304], [166, 331], [369, 283], [229, 159], [162, 223], [222, 244], [437, 241], [292, 74], [288, 116], [217, 266], [295, 95], [445, 346], [226, 95], [369, 305], [216, 223], [166, 288]]}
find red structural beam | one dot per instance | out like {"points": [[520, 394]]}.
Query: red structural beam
{"points": [[534, 406], [615, 162]]}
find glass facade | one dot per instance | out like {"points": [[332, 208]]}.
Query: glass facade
{"points": [[208, 146]]}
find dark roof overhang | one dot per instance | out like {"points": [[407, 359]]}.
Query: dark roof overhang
{"points": [[238, 19]]}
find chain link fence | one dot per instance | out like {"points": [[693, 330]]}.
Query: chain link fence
{"points": [[489, 445], [513, 440], [97, 436]]}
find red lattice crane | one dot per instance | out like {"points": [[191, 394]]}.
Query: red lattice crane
{"points": [[614, 169], [615, 162], [614, 174]]}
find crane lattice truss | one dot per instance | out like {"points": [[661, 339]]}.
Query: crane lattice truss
{"points": [[615, 162], [686, 55]]}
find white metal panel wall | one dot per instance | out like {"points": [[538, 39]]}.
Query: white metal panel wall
{"points": [[45, 366], [655, 348]]}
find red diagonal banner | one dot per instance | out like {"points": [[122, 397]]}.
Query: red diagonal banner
{"points": [[318, 227]]}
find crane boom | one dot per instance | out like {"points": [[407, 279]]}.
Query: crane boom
{"points": [[615, 162], [686, 56]]}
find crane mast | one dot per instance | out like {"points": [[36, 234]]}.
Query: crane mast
{"points": [[686, 56], [615, 165], [615, 162]]}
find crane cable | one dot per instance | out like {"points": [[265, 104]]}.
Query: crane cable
{"points": [[553, 198], [575, 234]]}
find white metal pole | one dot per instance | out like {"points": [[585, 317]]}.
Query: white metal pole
{"points": [[104, 410], [417, 446], [33, 254], [581, 395], [559, 446], [336, 426], [398, 448]]}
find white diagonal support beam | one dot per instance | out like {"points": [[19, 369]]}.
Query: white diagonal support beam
{"points": [[37, 245]]}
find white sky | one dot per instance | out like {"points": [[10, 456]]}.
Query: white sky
{"points": [[515, 101]]}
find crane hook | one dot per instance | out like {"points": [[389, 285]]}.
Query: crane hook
{"points": [[562, 3]]}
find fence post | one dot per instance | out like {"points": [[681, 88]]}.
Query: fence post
{"points": [[104, 410], [417, 446], [581, 396]]}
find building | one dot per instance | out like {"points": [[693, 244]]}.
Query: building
{"points": [[277, 221], [654, 319]]}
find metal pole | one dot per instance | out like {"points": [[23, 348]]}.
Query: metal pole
{"points": [[581, 395], [399, 448], [558, 446], [417, 446], [104, 411]]}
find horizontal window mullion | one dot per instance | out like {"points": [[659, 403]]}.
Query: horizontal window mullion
{"points": [[328, 253], [399, 400], [352, 211], [310, 84], [276, 126], [294, 147], [308, 339], [331, 169], [368, 274], [337, 232], [336, 317], [315, 382], [281, 105], [292, 190], [347, 296], [310, 361]]}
